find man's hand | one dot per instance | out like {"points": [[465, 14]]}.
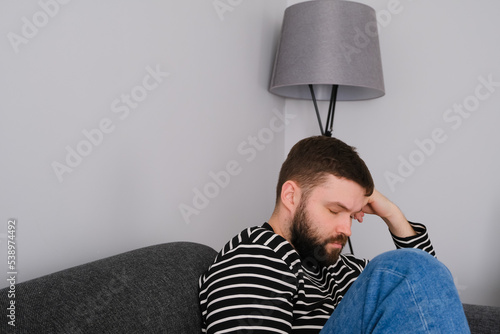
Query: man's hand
{"points": [[379, 205]]}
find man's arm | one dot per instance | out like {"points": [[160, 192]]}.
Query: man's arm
{"points": [[404, 233], [379, 205]]}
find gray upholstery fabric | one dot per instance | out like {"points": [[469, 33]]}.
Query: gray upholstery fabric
{"points": [[483, 319], [149, 290]]}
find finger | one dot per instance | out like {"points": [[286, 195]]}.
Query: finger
{"points": [[359, 216]]}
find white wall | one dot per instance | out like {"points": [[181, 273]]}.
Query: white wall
{"points": [[69, 67], [434, 54], [127, 191]]}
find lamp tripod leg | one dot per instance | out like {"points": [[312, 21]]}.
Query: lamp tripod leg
{"points": [[331, 111], [313, 96]]}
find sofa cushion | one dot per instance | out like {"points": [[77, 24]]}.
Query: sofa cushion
{"points": [[149, 290], [483, 319]]}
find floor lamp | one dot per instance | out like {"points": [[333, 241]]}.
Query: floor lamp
{"points": [[328, 50]]}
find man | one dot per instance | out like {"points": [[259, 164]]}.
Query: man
{"points": [[289, 276]]}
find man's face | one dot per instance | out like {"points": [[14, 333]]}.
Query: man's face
{"points": [[322, 223]]}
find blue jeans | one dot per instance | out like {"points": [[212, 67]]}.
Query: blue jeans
{"points": [[402, 291]]}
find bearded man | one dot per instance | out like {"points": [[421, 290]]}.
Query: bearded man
{"points": [[290, 275]]}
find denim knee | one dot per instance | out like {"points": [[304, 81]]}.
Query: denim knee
{"points": [[411, 261]]}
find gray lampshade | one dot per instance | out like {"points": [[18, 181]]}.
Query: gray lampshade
{"points": [[328, 42]]}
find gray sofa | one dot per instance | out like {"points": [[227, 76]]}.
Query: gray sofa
{"points": [[148, 290]]}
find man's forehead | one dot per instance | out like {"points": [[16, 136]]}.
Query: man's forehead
{"points": [[345, 194]]}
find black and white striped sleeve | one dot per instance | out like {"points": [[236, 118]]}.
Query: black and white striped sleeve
{"points": [[421, 240], [249, 289]]}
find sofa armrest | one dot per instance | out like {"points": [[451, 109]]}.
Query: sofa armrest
{"points": [[149, 290]]}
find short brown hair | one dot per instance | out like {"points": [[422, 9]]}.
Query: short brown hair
{"points": [[313, 158]]}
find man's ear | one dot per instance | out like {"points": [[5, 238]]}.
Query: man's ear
{"points": [[290, 196]]}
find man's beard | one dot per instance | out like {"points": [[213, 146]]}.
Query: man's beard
{"points": [[311, 247]]}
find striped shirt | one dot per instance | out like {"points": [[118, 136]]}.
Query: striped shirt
{"points": [[259, 284]]}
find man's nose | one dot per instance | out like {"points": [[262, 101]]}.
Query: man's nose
{"points": [[345, 226]]}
